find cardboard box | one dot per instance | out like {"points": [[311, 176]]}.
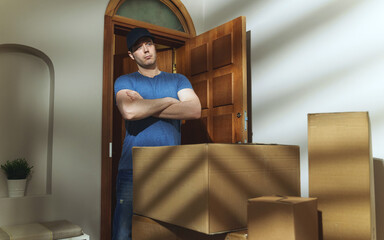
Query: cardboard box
{"points": [[205, 187], [378, 165], [144, 228], [341, 174], [282, 218]]}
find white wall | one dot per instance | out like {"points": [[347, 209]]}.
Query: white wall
{"points": [[307, 57], [70, 33]]}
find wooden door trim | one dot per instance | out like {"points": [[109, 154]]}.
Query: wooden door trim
{"points": [[107, 113], [111, 23]]}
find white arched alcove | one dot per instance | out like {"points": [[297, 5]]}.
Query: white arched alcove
{"points": [[26, 108]]}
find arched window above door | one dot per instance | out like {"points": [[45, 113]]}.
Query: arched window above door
{"points": [[170, 15], [152, 11]]}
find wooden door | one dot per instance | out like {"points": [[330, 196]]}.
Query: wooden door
{"points": [[215, 63]]}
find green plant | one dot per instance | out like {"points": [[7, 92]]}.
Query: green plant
{"points": [[17, 169]]}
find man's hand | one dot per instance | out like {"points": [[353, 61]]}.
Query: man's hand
{"points": [[133, 95], [187, 108]]}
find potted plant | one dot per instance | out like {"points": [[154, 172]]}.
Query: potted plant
{"points": [[17, 172]]}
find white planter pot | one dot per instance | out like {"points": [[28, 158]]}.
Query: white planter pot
{"points": [[16, 188]]}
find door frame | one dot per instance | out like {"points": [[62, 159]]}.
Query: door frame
{"points": [[114, 24]]}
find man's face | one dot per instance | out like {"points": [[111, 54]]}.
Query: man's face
{"points": [[144, 53]]}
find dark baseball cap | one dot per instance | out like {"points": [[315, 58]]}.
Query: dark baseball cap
{"points": [[135, 34]]}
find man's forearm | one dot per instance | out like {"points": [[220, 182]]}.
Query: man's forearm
{"points": [[181, 110], [132, 106], [143, 108]]}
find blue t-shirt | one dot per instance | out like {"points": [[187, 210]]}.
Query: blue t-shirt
{"points": [[150, 131]]}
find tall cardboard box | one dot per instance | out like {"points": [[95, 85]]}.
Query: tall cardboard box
{"points": [[205, 187], [282, 218], [341, 174], [144, 228]]}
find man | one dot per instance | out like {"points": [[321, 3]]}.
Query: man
{"points": [[152, 103]]}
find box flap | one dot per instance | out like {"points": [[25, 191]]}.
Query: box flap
{"points": [[281, 199]]}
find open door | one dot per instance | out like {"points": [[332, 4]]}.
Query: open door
{"points": [[215, 63]]}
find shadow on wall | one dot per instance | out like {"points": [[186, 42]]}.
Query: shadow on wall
{"points": [[318, 18], [379, 196], [315, 19]]}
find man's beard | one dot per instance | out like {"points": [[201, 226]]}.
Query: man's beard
{"points": [[148, 65]]}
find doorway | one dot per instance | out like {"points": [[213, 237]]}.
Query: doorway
{"points": [[215, 62], [116, 62]]}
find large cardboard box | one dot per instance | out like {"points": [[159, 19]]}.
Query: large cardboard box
{"points": [[282, 218], [205, 187], [341, 174], [144, 228]]}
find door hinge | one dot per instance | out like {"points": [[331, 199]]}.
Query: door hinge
{"points": [[110, 149]]}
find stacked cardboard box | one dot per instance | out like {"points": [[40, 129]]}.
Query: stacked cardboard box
{"points": [[341, 174], [205, 187], [282, 218], [200, 191]]}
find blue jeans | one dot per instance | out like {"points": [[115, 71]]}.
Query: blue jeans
{"points": [[122, 220]]}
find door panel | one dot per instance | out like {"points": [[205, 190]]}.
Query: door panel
{"points": [[222, 90], [165, 59], [222, 129], [217, 60], [201, 89], [199, 58], [222, 51]]}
